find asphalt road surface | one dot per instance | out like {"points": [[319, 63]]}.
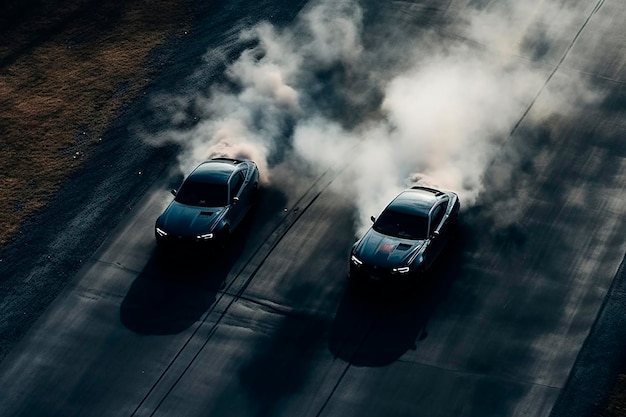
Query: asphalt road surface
{"points": [[270, 327]]}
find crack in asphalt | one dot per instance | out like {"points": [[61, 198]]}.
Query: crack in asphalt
{"points": [[558, 66]]}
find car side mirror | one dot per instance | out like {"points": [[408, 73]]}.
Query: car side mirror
{"points": [[235, 200], [373, 219], [174, 192]]}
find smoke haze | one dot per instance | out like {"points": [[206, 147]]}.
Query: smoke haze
{"points": [[429, 108]]}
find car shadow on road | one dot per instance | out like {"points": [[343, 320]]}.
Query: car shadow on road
{"points": [[175, 290], [167, 299], [376, 326]]}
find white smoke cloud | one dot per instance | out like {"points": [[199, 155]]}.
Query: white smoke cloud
{"points": [[439, 119], [526, 28]]}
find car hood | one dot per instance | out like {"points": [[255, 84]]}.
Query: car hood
{"points": [[386, 251], [183, 220]]}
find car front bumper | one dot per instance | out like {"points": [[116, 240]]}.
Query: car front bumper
{"points": [[380, 276], [173, 242]]}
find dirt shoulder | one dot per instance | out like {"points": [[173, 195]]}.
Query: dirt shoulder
{"points": [[73, 78]]}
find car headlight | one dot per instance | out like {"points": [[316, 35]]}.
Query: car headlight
{"points": [[401, 270], [206, 236], [160, 232], [356, 261]]}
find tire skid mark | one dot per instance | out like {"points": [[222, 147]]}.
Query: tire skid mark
{"points": [[346, 367], [372, 324], [263, 252], [597, 8]]}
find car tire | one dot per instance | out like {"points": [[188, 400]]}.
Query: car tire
{"points": [[224, 238], [255, 194]]}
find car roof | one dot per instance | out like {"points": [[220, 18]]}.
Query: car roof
{"points": [[417, 200], [214, 171]]}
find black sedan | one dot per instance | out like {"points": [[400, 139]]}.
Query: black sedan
{"points": [[210, 204], [407, 237]]}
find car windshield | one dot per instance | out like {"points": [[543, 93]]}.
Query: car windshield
{"points": [[402, 225], [202, 194]]}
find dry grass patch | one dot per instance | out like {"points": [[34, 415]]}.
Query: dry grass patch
{"points": [[58, 96]]}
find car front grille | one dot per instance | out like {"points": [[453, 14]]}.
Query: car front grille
{"points": [[375, 273], [183, 241]]}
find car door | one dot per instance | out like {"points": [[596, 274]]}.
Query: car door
{"points": [[237, 207], [438, 233]]}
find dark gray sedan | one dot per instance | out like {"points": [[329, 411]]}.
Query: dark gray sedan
{"points": [[407, 237], [210, 204]]}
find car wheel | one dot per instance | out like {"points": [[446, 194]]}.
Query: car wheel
{"points": [[224, 237], [255, 193]]}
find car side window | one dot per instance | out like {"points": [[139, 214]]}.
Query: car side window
{"points": [[235, 184], [437, 217]]}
